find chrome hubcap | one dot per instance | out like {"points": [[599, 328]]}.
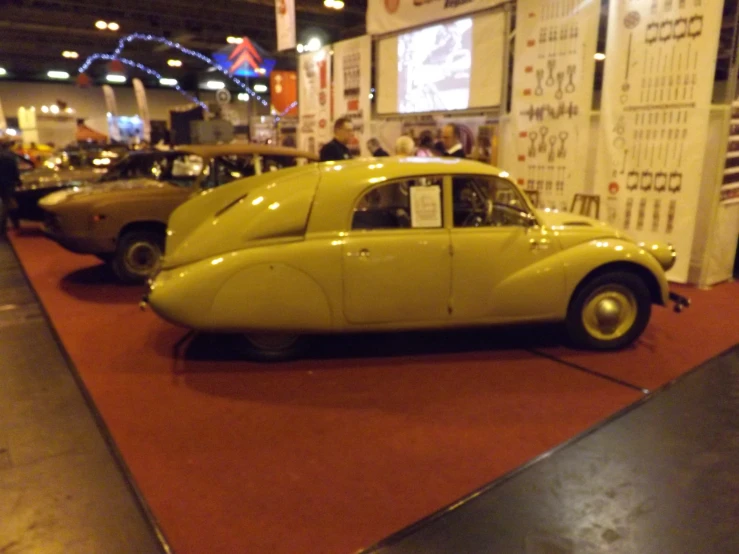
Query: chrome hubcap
{"points": [[142, 257]]}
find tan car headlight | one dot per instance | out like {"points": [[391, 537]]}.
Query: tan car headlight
{"points": [[664, 253]]}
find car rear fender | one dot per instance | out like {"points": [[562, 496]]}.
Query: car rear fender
{"points": [[271, 296]]}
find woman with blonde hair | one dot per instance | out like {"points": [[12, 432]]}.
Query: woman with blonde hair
{"points": [[405, 146]]}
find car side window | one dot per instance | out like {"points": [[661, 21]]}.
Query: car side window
{"points": [[410, 203], [488, 201]]}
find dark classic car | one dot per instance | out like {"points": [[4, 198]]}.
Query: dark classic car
{"points": [[63, 170]]}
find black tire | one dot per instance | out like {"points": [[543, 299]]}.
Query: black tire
{"points": [[138, 256], [273, 347], [609, 311]]}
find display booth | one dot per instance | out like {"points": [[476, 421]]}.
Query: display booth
{"points": [[518, 79]]}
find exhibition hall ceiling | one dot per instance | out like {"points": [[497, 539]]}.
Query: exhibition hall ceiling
{"points": [[35, 33]]}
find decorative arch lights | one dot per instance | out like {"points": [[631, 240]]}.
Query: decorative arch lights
{"points": [[116, 55]]}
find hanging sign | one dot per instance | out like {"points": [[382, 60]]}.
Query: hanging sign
{"points": [[285, 19], [657, 87], [314, 82], [387, 16], [352, 73], [552, 95]]}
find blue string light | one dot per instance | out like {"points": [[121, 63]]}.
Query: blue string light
{"points": [[142, 67]]}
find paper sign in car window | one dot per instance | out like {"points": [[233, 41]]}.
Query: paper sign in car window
{"points": [[426, 206]]}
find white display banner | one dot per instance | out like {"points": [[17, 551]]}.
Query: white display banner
{"points": [[352, 73], [387, 16], [552, 94], [112, 109], [314, 97], [140, 92], [285, 19], [657, 87]]}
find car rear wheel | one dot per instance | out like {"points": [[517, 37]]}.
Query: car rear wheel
{"points": [[138, 256], [609, 312], [273, 347]]}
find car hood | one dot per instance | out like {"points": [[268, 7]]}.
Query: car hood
{"points": [[95, 191]]}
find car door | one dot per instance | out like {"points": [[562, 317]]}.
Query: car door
{"points": [[396, 257], [504, 266]]}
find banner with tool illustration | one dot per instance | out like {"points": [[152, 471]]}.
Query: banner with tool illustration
{"points": [[315, 126], [552, 92], [352, 74], [657, 88]]}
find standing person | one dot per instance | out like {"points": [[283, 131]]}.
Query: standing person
{"points": [[9, 179], [451, 137], [376, 149], [426, 145], [405, 146], [337, 149]]}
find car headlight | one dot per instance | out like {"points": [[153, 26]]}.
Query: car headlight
{"points": [[664, 253]]}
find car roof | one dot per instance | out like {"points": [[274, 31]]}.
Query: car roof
{"points": [[359, 172], [213, 150]]}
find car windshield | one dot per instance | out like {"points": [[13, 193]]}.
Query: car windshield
{"points": [[178, 169], [85, 158]]}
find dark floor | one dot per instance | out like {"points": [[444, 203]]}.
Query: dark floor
{"points": [[660, 477], [61, 486]]}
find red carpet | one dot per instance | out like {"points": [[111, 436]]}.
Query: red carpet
{"points": [[330, 454]]}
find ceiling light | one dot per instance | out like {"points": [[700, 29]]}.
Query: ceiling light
{"points": [[45, 109], [234, 40], [600, 56], [167, 82], [174, 63], [112, 78], [214, 85], [2, 71], [334, 4], [300, 48], [312, 45], [54, 109], [102, 25], [243, 97], [70, 54], [113, 26], [57, 75], [260, 88]]}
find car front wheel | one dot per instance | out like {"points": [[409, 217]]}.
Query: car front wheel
{"points": [[609, 312], [138, 256], [273, 347]]}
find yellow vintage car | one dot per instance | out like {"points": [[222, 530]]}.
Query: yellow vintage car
{"points": [[396, 243]]}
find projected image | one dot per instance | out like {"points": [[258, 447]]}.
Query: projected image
{"points": [[434, 68]]}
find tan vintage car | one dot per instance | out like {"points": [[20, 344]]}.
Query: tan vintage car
{"points": [[123, 222]]}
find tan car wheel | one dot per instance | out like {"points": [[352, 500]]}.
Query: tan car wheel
{"points": [[138, 256], [272, 347], [609, 312]]}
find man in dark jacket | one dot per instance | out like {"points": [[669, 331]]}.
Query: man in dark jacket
{"points": [[451, 137], [9, 179], [375, 148], [337, 149]]}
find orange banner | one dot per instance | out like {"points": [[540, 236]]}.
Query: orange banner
{"points": [[284, 88]]}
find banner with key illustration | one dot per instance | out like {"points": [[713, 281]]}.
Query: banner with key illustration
{"points": [[657, 87], [552, 95]]}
